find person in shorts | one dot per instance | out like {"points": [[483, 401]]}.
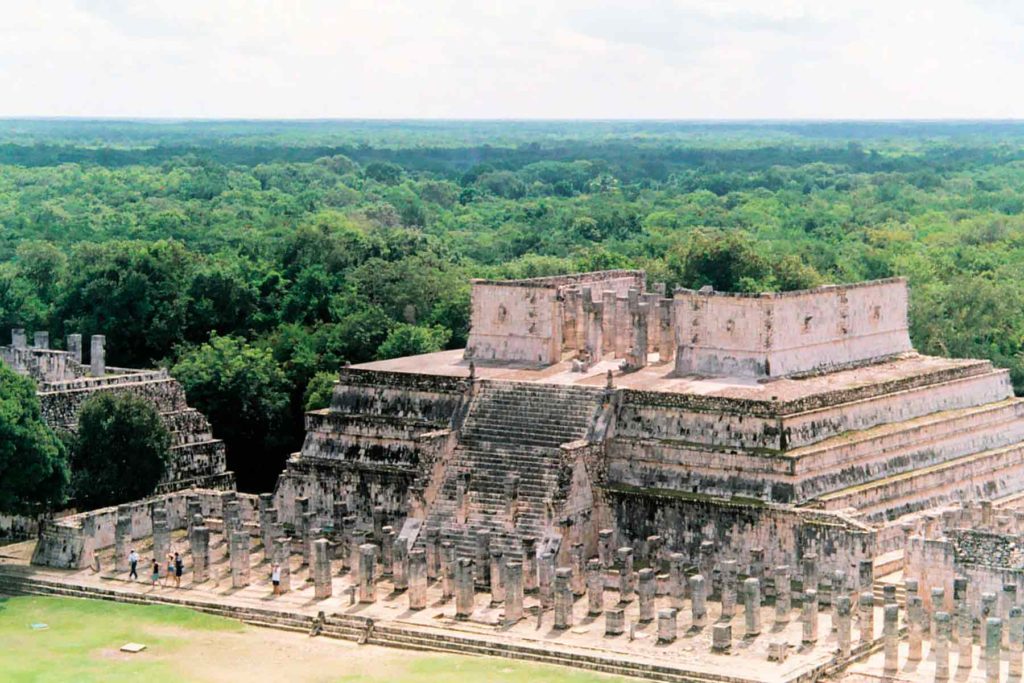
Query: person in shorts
{"points": [[275, 578]]}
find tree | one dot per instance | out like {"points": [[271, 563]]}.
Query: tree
{"points": [[410, 340], [120, 451], [33, 461], [319, 390], [244, 392]]}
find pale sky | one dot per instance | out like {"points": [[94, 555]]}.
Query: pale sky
{"points": [[673, 59]]}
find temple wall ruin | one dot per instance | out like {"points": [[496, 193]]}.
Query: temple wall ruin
{"points": [[789, 333]]}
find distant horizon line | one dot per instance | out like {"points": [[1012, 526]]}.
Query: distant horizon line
{"points": [[703, 121]]}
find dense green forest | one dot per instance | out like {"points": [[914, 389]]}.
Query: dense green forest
{"points": [[254, 259]]}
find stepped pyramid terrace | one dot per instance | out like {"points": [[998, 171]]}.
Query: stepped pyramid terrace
{"points": [[686, 486]]}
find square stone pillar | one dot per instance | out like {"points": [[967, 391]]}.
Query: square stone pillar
{"points": [[18, 338], [608, 323], [667, 330], [447, 570], [595, 587], [867, 617], [357, 538], [605, 548], [843, 630], [623, 326], [698, 601], [988, 609], [729, 579], [193, 507], [915, 627], [625, 556], [865, 575], [890, 635], [993, 643], [1016, 640], [563, 598], [239, 559], [283, 559], [346, 544], [752, 606], [810, 617], [783, 594], [706, 564], [387, 551], [652, 548], [721, 638], [579, 570], [530, 565], [122, 538], [809, 566], [432, 548], [400, 568], [267, 519], [464, 598], [232, 517], [1007, 599], [546, 579], [667, 625], [199, 543], [98, 355], [367, 573], [513, 593], [942, 632], [497, 584], [646, 589], [41, 340], [322, 587], [417, 579], [614, 621], [483, 558], [161, 538], [75, 347], [676, 580]]}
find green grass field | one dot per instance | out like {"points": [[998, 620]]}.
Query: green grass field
{"points": [[83, 637]]}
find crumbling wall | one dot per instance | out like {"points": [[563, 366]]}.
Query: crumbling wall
{"points": [[789, 333]]}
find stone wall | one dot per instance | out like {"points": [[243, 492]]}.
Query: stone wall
{"points": [[789, 333]]}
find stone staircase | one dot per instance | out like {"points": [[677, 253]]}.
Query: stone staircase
{"points": [[512, 429]]}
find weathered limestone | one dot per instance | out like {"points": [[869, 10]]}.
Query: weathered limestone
{"points": [[356, 538], [646, 592], [497, 575], [321, 569], [387, 550], [938, 602], [942, 633], [721, 638], [400, 566], [579, 564], [729, 572], [240, 566], [890, 635], [447, 570], [1007, 599], [614, 621], [752, 606], [367, 575], [563, 598], [595, 587], [75, 347], [199, 544], [867, 616], [266, 520], [432, 547], [605, 548], [698, 601], [810, 617], [529, 564], [282, 558], [809, 565], [122, 538], [625, 557], [1015, 640], [161, 538], [483, 558], [513, 593], [915, 627], [706, 564], [464, 577], [667, 626], [676, 580], [838, 588], [988, 610], [98, 355], [993, 641], [417, 579], [546, 580], [843, 630], [783, 594]]}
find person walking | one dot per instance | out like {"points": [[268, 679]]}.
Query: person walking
{"points": [[156, 571], [179, 569], [133, 564], [275, 578], [170, 569]]}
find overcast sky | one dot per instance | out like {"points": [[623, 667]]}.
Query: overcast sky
{"points": [[515, 59]]}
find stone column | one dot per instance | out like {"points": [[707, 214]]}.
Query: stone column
{"points": [[529, 564], [432, 547], [721, 638], [546, 580], [728, 590], [579, 569], [625, 556], [387, 550], [367, 573], [483, 558], [608, 322], [266, 504], [461, 497], [378, 523], [867, 617], [993, 642], [322, 588], [938, 604], [1016, 640], [513, 593], [356, 538], [193, 507], [783, 594], [756, 570], [417, 579], [965, 642], [123, 539], [942, 629], [595, 587], [865, 575], [676, 580], [283, 559], [161, 538], [447, 570], [810, 616], [653, 551], [667, 625], [698, 601], [464, 588], [199, 541], [614, 621], [809, 565], [1008, 598], [961, 612], [706, 564], [890, 633], [497, 584], [347, 544], [309, 534], [838, 588], [646, 589], [339, 511], [400, 568], [75, 347], [752, 606], [605, 549], [563, 598], [231, 518], [98, 355], [667, 341], [888, 594], [915, 627], [239, 559], [844, 628], [988, 609]]}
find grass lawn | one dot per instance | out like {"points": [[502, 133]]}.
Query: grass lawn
{"points": [[83, 638]]}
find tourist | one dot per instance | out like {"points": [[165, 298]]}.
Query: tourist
{"points": [[179, 569], [133, 564], [275, 578], [170, 568], [156, 571]]}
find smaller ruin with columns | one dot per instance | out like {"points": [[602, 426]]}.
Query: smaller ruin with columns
{"points": [[695, 486]]}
